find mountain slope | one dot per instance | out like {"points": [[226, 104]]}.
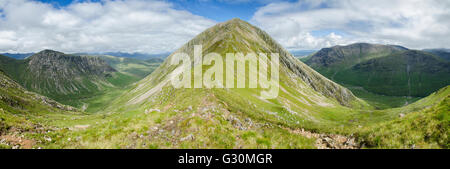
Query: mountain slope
{"points": [[64, 74], [65, 78], [410, 73], [238, 36], [443, 53], [423, 124], [383, 69], [347, 56], [19, 110]]}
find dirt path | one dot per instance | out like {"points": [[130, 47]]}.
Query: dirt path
{"points": [[328, 141], [17, 142]]}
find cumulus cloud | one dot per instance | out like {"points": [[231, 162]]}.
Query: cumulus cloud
{"points": [[308, 24], [109, 25]]}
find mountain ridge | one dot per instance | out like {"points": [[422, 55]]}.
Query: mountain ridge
{"points": [[383, 69]]}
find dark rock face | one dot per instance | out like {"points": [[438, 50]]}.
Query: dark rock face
{"points": [[51, 62], [56, 74]]}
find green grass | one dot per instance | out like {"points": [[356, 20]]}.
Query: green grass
{"points": [[426, 128], [421, 127], [381, 101], [210, 128]]}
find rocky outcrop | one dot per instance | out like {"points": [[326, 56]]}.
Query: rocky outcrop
{"points": [[55, 74], [328, 141], [55, 64]]}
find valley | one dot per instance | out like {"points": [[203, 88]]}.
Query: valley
{"points": [[82, 81]]}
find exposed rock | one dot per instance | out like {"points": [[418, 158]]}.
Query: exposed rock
{"points": [[190, 137], [328, 141], [151, 110], [81, 127]]}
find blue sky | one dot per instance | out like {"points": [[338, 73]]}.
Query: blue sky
{"points": [[160, 26], [220, 11]]}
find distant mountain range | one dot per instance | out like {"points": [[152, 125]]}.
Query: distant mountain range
{"points": [[443, 53], [17, 55], [383, 69], [135, 55], [302, 53]]}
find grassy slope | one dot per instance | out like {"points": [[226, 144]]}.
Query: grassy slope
{"points": [[209, 127], [425, 124], [216, 120], [410, 73], [25, 114], [381, 101], [394, 73]]}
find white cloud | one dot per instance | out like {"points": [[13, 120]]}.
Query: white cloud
{"points": [[128, 26], [412, 23]]}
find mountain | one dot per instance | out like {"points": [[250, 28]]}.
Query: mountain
{"points": [[134, 55], [347, 56], [443, 53], [17, 55], [219, 117], [137, 55], [383, 69], [302, 53], [60, 76], [238, 36]]}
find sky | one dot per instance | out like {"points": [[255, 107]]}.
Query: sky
{"points": [[161, 26]]}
